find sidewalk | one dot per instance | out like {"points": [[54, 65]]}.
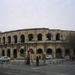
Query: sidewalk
{"points": [[41, 62]]}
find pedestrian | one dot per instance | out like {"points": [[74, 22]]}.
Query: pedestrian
{"points": [[28, 60], [37, 61], [73, 58]]}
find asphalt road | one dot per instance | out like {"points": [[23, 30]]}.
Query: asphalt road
{"points": [[66, 68]]}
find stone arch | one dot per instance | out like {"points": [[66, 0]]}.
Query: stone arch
{"points": [[3, 52], [67, 52], [30, 36], [31, 50], [58, 53], [58, 36], [22, 38], [9, 39], [3, 40], [8, 52], [22, 52], [49, 51], [39, 37], [49, 36], [15, 38], [15, 53], [39, 51]]}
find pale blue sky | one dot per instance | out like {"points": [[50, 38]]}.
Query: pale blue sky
{"points": [[24, 14]]}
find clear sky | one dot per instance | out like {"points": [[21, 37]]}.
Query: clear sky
{"points": [[24, 14]]}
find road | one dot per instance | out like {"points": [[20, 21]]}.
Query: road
{"points": [[66, 68]]}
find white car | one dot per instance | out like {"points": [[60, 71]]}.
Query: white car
{"points": [[49, 57], [4, 58]]}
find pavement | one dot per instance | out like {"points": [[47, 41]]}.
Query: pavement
{"points": [[41, 62], [52, 67]]}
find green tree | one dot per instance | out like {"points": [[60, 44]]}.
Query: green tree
{"points": [[70, 41]]}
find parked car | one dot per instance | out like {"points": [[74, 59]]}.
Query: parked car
{"points": [[4, 58], [49, 57]]}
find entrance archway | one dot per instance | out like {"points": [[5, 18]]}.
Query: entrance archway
{"points": [[49, 51], [22, 52], [58, 53], [15, 53], [67, 52], [3, 53], [8, 52]]}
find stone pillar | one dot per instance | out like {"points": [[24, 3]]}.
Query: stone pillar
{"points": [[54, 52], [5, 51], [63, 53], [12, 41], [1, 40], [18, 39], [6, 40], [54, 37], [11, 52], [18, 53]]}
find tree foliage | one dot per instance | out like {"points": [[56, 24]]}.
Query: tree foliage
{"points": [[70, 41]]}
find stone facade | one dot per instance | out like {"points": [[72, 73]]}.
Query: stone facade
{"points": [[37, 41]]}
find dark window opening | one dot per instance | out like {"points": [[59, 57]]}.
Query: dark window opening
{"points": [[57, 36], [3, 40], [39, 37], [49, 36], [3, 53], [22, 52], [8, 52], [39, 51], [15, 38], [30, 37], [15, 53], [67, 52], [49, 51], [9, 39], [58, 53], [22, 38]]}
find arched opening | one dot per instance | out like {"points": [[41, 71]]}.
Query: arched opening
{"points": [[39, 51], [3, 40], [9, 39], [39, 37], [15, 53], [30, 37], [8, 52], [22, 38], [67, 52], [49, 51], [57, 36], [3, 53], [49, 36], [22, 52], [58, 53], [15, 38], [31, 50]]}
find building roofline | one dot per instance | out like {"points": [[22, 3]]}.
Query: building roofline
{"points": [[34, 29]]}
